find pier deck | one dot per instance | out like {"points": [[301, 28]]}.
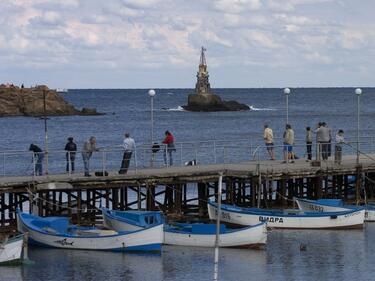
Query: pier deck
{"points": [[181, 191]]}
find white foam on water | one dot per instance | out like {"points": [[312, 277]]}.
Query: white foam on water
{"points": [[260, 109], [179, 108]]}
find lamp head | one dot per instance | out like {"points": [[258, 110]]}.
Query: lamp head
{"points": [[151, 93], [287, 91], [358, 91]]}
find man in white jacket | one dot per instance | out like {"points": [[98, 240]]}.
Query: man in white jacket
{"points": [[129, 147]]}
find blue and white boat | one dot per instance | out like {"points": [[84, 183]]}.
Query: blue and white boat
{"points": [[288, 218], [184, 234], [11, 250], [333, 205], [58, 233]]}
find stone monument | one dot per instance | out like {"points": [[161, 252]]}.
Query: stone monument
{"points": [[204, 99]]}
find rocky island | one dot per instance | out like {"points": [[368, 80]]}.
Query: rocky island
{"points": [[204, 99], [36, 101]]}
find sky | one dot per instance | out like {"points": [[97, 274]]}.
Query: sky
{"points": [[156, 43]]}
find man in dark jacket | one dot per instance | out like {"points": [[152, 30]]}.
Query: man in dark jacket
{"points": [[38, 156], [71, 149]]}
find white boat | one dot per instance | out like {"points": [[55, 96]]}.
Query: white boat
{"points": [[11, 250], [58, 233], [288, 218], [204, 235], [184, 234], [333, 205]]}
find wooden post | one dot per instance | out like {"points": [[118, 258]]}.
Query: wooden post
{"points": [[178, 199], [202, 198]]}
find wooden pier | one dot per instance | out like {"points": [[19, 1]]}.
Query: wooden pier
{"points": [[182, 192]]}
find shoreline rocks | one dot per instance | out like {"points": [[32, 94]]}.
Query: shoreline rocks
{"points": [[16, 101]]}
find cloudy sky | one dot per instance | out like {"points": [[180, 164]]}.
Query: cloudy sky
{"points": [[156, 43]]}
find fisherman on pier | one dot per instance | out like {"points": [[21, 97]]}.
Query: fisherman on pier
{"points": [[71, 149], [38, 156], [129, 147], [169, 148], [88, 148]]}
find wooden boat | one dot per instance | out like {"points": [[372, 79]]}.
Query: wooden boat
{"points": [[288, 218], [204, 235], [333, 205], [58, 233], [130, 220], [183, 234], [11, 250]]}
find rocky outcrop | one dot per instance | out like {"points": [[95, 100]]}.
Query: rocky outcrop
{"points": [[212, 102], [15, 101]]}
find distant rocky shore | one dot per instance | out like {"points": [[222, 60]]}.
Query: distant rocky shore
{"points": [[19, 101]]}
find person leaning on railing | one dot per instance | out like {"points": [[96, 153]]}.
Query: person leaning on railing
{"points": [[129, 147], [169, 148], [71, 149], [38, 156], [338, 147], [88, 148]]}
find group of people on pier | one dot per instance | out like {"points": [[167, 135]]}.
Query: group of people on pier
{"points": [[90, 146], [323, 143]]}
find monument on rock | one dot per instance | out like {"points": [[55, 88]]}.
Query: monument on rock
{"points": [[204, 99]]}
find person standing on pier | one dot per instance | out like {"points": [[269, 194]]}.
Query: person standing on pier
{"points": [[169, 148], [338, 147], [88, 148], [268, 139], [71, 149], [38, 156], [288, 144], [129, 147], [309, 139]]}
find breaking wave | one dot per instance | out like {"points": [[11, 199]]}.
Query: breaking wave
{"points": [[179, 108], [260, 109]]}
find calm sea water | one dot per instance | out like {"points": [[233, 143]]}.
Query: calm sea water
{"points": [[330, 255], [129, 111]]}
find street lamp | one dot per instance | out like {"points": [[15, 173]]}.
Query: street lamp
{"points": [[358, 92], [287, 92], [152, 93]]}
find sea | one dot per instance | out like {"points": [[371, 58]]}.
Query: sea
{"points": [[289, 255]]}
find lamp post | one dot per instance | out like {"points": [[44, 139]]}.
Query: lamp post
{"points": [[287, 92], [358, 92], [152, 93], [45, 131]]}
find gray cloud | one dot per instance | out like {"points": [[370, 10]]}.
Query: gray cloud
{"points": [[282, 38]]}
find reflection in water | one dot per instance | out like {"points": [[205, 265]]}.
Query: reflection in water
{"points": [[329, 255], [10, 273]]}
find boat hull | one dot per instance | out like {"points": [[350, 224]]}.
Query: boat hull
{"points": [[249, 237], [315, 206], [109, 240], [247, 216], [11, 252]]}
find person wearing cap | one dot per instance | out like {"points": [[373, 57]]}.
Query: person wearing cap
{"points": [[268, 139], [71, 149]]}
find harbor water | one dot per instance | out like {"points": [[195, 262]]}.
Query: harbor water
{"points": [[324, 255], [328, 255]]}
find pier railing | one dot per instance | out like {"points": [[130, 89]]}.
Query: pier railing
{"points": [[22, 163]]}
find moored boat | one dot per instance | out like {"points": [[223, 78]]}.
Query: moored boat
{"points": [[58, 233], [204, 235], [11, 250], [288, 218], [185, 234], [333, 205]]}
